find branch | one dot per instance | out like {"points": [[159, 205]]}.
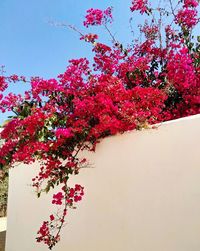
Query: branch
{"points": [[61, 24], [111, 35], [172, 8]]}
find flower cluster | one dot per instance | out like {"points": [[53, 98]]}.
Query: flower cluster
{"points": [[49, 232], [141, 5], [98, 17], [150, 31], [3, 84], [57, 198], [121, 89], [187, 17], [190, 3]]}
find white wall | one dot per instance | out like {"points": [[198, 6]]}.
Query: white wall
{"points": [[143, 194]]}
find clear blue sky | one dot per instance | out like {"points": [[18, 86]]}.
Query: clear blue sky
{"points": [[30, 46]]}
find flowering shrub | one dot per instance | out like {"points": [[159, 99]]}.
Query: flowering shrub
{"points": [[125, 88]]}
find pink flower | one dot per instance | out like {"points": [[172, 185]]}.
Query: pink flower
{"points": [[190, 3], [140, 5], [64, 133], [52, 217], [98, 17], [75, 194], [57, 198], [187, 17], [3, 84]]}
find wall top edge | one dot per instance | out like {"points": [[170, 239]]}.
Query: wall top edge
{"points": [[192, 117], [197, 116]]}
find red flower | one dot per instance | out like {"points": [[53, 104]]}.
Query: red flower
{"points": [[98, 17], [57, 198], [52, 217], [140, 5]]}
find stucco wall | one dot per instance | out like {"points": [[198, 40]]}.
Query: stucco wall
{"points": [[143, 194]]}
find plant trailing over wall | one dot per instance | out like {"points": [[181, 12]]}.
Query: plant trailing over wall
{"points": [[125, 88]]}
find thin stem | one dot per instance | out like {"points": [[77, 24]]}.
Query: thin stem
{"points": [[172, 8], [61, 24], [63, 217], [160, 30], [111, 35], [131, 26]]}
